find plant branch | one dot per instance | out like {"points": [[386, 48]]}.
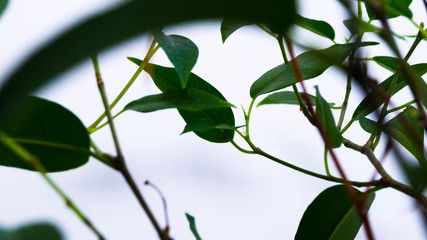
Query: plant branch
{"points": [[120, 162], [93, 127], [35, 162], [386, 179]]}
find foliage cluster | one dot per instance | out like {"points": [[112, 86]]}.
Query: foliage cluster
{"points": [[43, 136]]}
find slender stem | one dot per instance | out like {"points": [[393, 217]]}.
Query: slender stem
{"points": [[119, 159], [248, 115], [347, 126], [37, 165], [386, 179], [325, 160], [401, 107], [240, 148], [294, 86], [92, 130], [267, 31], [258, 151], [147, 58]]}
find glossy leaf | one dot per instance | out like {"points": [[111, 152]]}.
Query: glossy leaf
{"points": [[206, 125], [327, 120], [331, 215], [187, 99], [393, 8], [312, 64], [367, 124], [320, 28], [372, 100], [48, 131], [285, 97], [405, 129], [181, 51], [389, 63], [167, 79], [124, 21], [229, 26], [34, 231], [3, 5], [193, 228]]}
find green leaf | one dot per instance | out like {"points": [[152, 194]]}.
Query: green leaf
{"points": [[3, 5], [312, 64], [181, 51], [187, 99], [193, 228], [229, 26], [124, 21], [206, 125], [320, 28], [393, 8], [48, 131], [285, 97], [372, 100], [167, 79], [389, 63], [367, 124], [405, 129], [34, 231], [324, 113], [332, 215]]}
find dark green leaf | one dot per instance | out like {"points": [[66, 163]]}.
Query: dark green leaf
{"points": [[320, 28], [206, 125], [332, 215], [389, 63], [3, 5], [229, 26], [124, 21], [324, 113], [312, 64], [393, 8], [187, 99], [285, 97], [405, 129], [181, 51], [372, 101], [35, 231], [167, 79], [193, 228], [48, 131], [367, 124]]}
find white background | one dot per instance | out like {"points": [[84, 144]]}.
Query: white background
{"points": [[232, 195]]}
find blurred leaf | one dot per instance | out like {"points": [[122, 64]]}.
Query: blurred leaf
{"points": [[187, 99], [320, 28], [372, 100], [351, 25], [393, 8], [167, 79], [332, 215], [193, 228], [312, 64], [34, 231], [229, 26], [367, 124], [181, 51], [285, 97], [327, 120], [405, 129], [48, 131], [3, 5], [389, 63], [124, 21]]}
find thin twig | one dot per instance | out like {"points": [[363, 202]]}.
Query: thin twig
{"points": [[37, 165], [119, 159], [386, 179]]}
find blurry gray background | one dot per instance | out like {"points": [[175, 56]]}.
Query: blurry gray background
{"points": [[231, 195]]}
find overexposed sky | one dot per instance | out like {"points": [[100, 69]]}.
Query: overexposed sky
{"points": [[232, 195]]}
